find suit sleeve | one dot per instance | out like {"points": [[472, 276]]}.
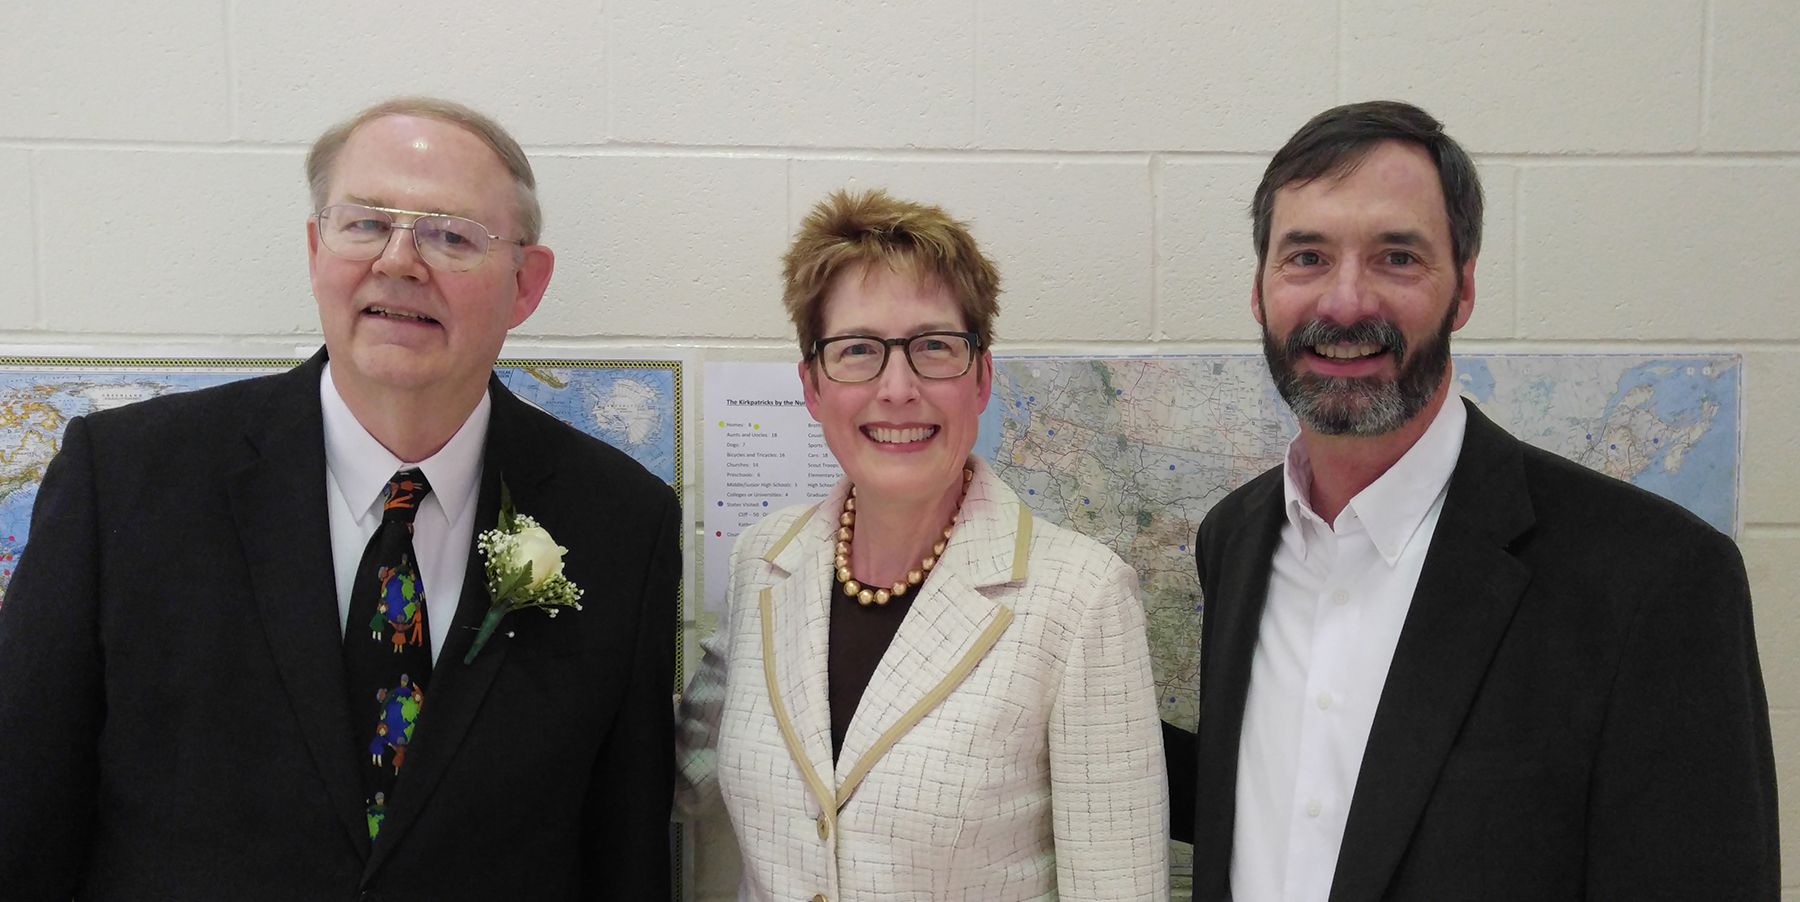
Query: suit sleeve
{"points": [[52, 703], [1108, 791], [1181, 749], [1683, 791], [625, 834]]}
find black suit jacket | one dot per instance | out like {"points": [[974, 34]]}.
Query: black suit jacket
{"points": [[1574, 710], [173, 715]]}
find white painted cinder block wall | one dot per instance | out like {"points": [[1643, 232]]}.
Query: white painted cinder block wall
{"points": [[1642, 163]]}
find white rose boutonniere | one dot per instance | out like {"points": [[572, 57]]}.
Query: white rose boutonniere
{"points": [[524, 570]]}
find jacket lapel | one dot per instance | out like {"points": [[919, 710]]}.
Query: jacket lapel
{"points": [[1229, 644], [950, 627], [516, 450], [796, 619], [278, 500], [1466, 596]]}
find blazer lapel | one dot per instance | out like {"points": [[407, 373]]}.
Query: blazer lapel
{"points": [[278, 500], [1467, 592], [1230, 631], [796, 621], [950, 627], [516, 451]]}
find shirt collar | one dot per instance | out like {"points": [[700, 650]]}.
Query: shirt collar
{"points": [[362, 466], [1391, 508]]}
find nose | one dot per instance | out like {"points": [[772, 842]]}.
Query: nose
{"points": [[897, 384], [1350, 295], [400, 258]]}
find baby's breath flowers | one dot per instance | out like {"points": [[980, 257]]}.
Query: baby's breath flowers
{"points": [[524, 570]]}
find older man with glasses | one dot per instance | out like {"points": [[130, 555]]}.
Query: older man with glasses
{"points": [[239, 660]]}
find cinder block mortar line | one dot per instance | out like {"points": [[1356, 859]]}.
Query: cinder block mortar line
{"points": [[1022, 347], [1343, 44], [220, 147], [1518, 241], [606, 23], [32, 206], [1704, 107], [231, 70], [975, 133], [1154, 176], [922, 155]]}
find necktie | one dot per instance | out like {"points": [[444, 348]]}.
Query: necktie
{"points": [[387, 647]]}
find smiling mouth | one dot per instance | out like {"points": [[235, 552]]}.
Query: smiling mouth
{"points": [[888, 436], [1348, 351], [402, 315]]}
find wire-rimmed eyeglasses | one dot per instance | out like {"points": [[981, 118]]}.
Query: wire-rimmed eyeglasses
{"points": [[932, 355], [449, 243]]}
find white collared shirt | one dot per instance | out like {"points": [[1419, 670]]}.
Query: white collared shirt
{"points": [[357, 469], [1338, 597]]}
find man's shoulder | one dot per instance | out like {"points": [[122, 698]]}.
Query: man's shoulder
{"points": [[1233, 509], [198, 415], [1577, 500], [578, 453]]}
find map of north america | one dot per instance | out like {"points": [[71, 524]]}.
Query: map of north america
{"points": [[1134, 451]]}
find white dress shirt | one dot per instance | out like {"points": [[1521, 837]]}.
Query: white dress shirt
{"points": [[357, 469], [1338, 597]]}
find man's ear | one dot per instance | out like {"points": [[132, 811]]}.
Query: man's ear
{"points": [[536, 264], [1465, 298], [1256, 305]]}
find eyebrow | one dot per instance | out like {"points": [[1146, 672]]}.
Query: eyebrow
{"points": [[1401, 237], [1404, 238], [377, 202], [1298, 236], [918, 330]]}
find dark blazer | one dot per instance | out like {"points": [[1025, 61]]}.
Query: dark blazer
{"points": [[1574, 709], [173, 713]]}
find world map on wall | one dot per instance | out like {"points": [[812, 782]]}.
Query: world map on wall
{"points": [[1134, 451], [633, 405]]}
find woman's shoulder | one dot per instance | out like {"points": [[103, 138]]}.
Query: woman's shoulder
{"points": [[1062, 556]]}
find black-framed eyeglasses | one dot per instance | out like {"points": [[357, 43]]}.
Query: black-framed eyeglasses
{"points": [[449, 243], [932, 355]]}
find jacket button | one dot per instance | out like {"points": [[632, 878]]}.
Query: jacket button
{"points": [[824, 828]]}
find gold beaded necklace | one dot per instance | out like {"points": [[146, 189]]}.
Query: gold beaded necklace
{"points": [[847, 528]]}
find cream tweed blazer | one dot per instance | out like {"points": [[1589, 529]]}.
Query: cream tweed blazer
{"points": [[1007, 748]]}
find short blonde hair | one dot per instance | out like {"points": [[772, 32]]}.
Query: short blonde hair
{"points": [[848, 229], [324, 153]]}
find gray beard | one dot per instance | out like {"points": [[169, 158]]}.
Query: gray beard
{"points": [[1364, 405]]}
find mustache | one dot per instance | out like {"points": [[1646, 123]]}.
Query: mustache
{"points": [[1317, 332]]}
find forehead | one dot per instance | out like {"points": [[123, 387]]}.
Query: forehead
{"points": [[1394, 187], [414, 163], [872, 297]]}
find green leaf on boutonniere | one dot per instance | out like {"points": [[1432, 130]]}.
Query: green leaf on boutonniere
{"points": [[509, 518]]}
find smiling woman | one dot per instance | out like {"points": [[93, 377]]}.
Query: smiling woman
{"points": [[954, 698]]}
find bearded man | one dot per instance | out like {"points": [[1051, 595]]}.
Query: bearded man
{"points": [[1438, 663]]}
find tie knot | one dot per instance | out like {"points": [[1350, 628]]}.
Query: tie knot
{"points": [[400, 500]]}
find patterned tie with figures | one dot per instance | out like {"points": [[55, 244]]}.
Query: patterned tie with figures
{"points": [[387, 646]]}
